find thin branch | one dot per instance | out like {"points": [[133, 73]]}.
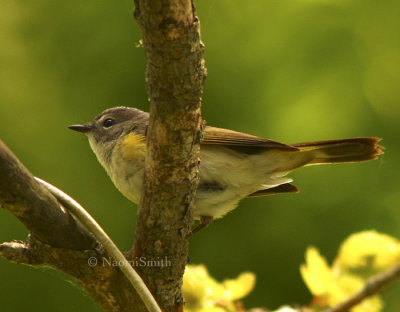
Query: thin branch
{"points": [[17, 251], [372, 287], [87, 220]]}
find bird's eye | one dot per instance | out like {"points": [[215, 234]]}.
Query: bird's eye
{"points": [[108, 123]]}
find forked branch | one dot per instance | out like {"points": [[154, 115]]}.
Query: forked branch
{"points": [[58, 239]]}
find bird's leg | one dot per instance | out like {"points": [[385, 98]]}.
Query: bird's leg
{"points": [[204, 222]]}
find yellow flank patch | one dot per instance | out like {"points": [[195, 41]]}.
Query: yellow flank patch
{"points": [[133, 146]]}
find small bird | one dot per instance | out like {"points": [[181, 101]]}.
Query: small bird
{"points": [[233, 165]]}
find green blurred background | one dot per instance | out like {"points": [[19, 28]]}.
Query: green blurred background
{"points": [[290, 70]]}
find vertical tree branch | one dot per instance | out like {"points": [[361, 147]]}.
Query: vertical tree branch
{"points": [[175, 76]]}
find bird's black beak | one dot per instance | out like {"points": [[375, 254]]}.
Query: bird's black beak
{"points": [[81, 128]]}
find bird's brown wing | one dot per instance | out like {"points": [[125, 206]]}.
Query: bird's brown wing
{"points": [[239, 140]]}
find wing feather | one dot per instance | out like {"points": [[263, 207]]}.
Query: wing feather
{"points": [[230, 138]]}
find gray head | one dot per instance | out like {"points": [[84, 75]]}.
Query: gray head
{"points": [[105, 129]]}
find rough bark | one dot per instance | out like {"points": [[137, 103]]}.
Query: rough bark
{"points": [[175, 76]]}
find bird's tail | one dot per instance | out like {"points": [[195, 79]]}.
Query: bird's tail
{"points": [[340, 151]]}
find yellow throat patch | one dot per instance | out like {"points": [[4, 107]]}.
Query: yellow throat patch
{"points": [[133, 146]]}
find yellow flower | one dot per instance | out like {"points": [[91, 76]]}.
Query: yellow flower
{"points": [[368, 253], [316, 273], [362, 255], [240, 287], [203, 294]]}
